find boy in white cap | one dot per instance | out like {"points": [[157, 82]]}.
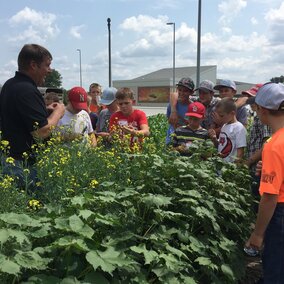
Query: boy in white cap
{"points": [[269, 227], [76, 121]]}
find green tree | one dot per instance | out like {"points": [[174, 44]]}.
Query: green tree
{"points": [[277, 79], [53, 80]]}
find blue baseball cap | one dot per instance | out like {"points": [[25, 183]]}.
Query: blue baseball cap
{"points": [[271, 96], [226, 83], [108, 96]]}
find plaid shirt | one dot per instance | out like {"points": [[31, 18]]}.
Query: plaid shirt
{"points": [[258, 133]]}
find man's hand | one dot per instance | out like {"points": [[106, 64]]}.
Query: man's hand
{"points": [[241, 101], [216, 118], [56, 107]]}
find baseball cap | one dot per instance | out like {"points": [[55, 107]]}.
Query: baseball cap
{"points": [[108, 96], [252, 91], [226, 83], [196, 109], [270, 96], [77, 96], [186, 82], [206, 86]]}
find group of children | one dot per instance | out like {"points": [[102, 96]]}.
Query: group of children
{"points": [[112, 108], [207, 117], [226, 127]]}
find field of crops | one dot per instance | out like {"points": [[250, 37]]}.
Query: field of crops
{"points": [[120, 215]]}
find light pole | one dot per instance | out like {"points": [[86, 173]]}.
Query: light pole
{"points": [[198, 44], [174, 52], [80, 59], [109, 52]]}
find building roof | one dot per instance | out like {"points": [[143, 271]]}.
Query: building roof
{"points": [[180, 72]]}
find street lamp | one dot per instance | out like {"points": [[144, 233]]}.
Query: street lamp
{"points": [[79, 50], [174, 52], [109, 52], [198, 44]]}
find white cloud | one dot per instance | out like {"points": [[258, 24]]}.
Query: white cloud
{"points": [[254, 21], [36, 26], [144, 22], [230, 9], [75, 31], [275, 21]]}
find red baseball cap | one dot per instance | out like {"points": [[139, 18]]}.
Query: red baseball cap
{"points": [[78, 97], [252, 91], [196, 109]]}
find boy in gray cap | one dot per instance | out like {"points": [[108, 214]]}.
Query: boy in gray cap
{"points": [[269, 227], [108, 99], [228, 89]]}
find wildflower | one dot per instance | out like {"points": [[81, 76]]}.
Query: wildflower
{"points": [[34, 204], [93, 183], [10, 160]]}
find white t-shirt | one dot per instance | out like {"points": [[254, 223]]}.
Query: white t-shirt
{"points": [[232, 137], [79, 123]]}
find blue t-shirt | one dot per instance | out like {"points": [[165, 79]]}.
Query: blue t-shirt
{"points": [[182, 109]]}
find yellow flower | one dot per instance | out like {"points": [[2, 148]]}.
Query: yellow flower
{"points": [[10, 160], [34, 204], [93, 183]]}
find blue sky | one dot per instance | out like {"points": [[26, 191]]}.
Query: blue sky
{"points": [[243, 38]]}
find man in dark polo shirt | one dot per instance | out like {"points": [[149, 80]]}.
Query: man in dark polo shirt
{"points": [[23, 113]]}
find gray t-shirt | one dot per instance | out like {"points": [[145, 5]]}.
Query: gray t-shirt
{"points": [[103, 121]]}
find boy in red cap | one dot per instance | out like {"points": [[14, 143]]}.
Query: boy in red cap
{"points": [[76, 121], [185, 135]]}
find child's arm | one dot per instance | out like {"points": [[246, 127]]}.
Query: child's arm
{"points": [[266, 209], [213, 136], [240, 153]]}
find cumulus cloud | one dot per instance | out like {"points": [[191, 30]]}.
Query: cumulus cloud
{"points": [[36, 26], [275, 21], [254, 21], [75, 31], [144, 22], [230, 9]]}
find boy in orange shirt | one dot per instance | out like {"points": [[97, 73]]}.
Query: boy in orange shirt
{"points": [[269, 227]]}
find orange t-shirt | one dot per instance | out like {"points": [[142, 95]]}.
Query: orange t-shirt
{"points": [[272, 174]]}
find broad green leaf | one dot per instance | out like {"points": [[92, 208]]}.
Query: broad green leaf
{"points": [[31, 260], [203, 261], [149, 255], [156, 200], [108, 260], [71, 241], [19, 219], [175, 251], [78, 200], [228, 271], [9, 266], [44, 231], [78, 226], [7, 234], [85, 214]]}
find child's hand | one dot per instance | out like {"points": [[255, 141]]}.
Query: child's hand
{"points": [[212, 133], [128, 130], [258, 168]]}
